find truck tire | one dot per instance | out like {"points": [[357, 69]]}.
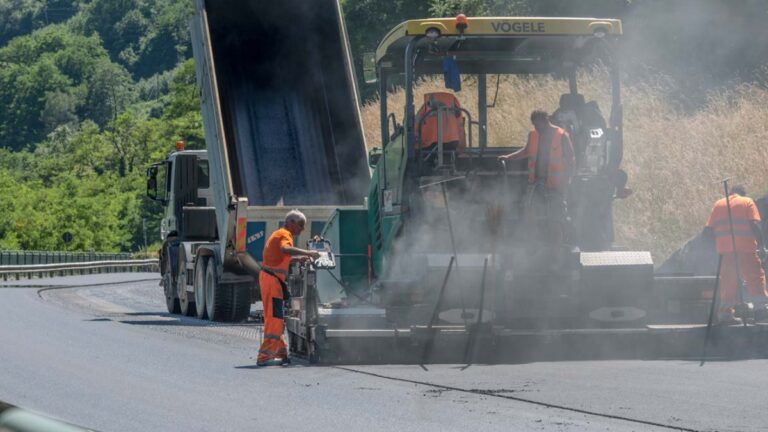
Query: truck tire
{"points": [[218, 297], [241, 305], [200, 264], [169, 287], [186, 303]]}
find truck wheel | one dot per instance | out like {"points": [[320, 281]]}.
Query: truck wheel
{"points": [[218, 297], [186, 304], [169, 288], [200, 265], [241, 308]]}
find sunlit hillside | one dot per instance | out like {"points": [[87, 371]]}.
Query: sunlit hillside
{"points": [[674, 159]]}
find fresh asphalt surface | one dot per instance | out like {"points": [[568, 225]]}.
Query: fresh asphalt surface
{"points": [[101, 352]]}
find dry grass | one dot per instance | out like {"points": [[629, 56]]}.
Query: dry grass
{"points": [[673, 159]]}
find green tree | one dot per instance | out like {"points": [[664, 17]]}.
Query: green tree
{"points": [[182, 115], [110, 92], [54, 77], [59, 109], [166, 41], [145, 36], [23, 91], [18, 17]]}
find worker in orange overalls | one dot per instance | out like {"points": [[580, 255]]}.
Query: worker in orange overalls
{"points": [[749, 239], [551, 164], [278, 252]]}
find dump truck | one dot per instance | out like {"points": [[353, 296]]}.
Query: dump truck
{"points": [[441, 266], [282, 130]]}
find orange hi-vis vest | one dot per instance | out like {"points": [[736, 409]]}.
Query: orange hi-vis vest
{"points": [[274, 258], [743, 210], [556, 170], [453, 121]]}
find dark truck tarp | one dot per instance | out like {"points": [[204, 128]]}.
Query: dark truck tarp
{"points": [[288, 102]]}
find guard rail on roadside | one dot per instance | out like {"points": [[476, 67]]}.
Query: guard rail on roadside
{"points": [[77, 268], [10, 257]]}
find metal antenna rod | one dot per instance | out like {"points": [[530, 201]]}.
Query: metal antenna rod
{"points": [[435, 313], [450, 225], [469, 351], [453, 247], [715, 298]]}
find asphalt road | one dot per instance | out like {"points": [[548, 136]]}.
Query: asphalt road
{"points": [[101, 352]]}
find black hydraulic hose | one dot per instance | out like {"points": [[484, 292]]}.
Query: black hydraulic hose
{"points": [[435, 313], [496, 94], [344, 289], [715, 298], [250, 265]]}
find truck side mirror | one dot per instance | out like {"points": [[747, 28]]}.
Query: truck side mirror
{"points": [[156, 186], [152, 182], [374, 155], [369, 68]]}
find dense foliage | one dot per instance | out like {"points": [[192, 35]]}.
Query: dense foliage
{"points": [[92, 91]]}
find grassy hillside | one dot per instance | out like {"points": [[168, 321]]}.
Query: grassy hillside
{"points": [[674, 158]]}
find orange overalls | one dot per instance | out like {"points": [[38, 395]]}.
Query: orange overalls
{"points": [[545, 202], [272, 345], [743, 210]]}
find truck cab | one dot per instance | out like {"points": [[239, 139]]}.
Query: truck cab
{"points": [[171, 182]]}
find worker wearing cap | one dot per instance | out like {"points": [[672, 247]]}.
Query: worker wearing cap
{"points": [[551, 165], [278, 252], [748, 239]]}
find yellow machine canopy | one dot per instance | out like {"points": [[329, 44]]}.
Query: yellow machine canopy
{"points": [[495, 44]]}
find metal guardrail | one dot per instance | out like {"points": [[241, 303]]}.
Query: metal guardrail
{"points": [[54, 257], [77, 268]]}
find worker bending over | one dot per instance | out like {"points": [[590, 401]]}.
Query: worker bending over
{"points": [[748, 240], [278, 253], [551, 165]]}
